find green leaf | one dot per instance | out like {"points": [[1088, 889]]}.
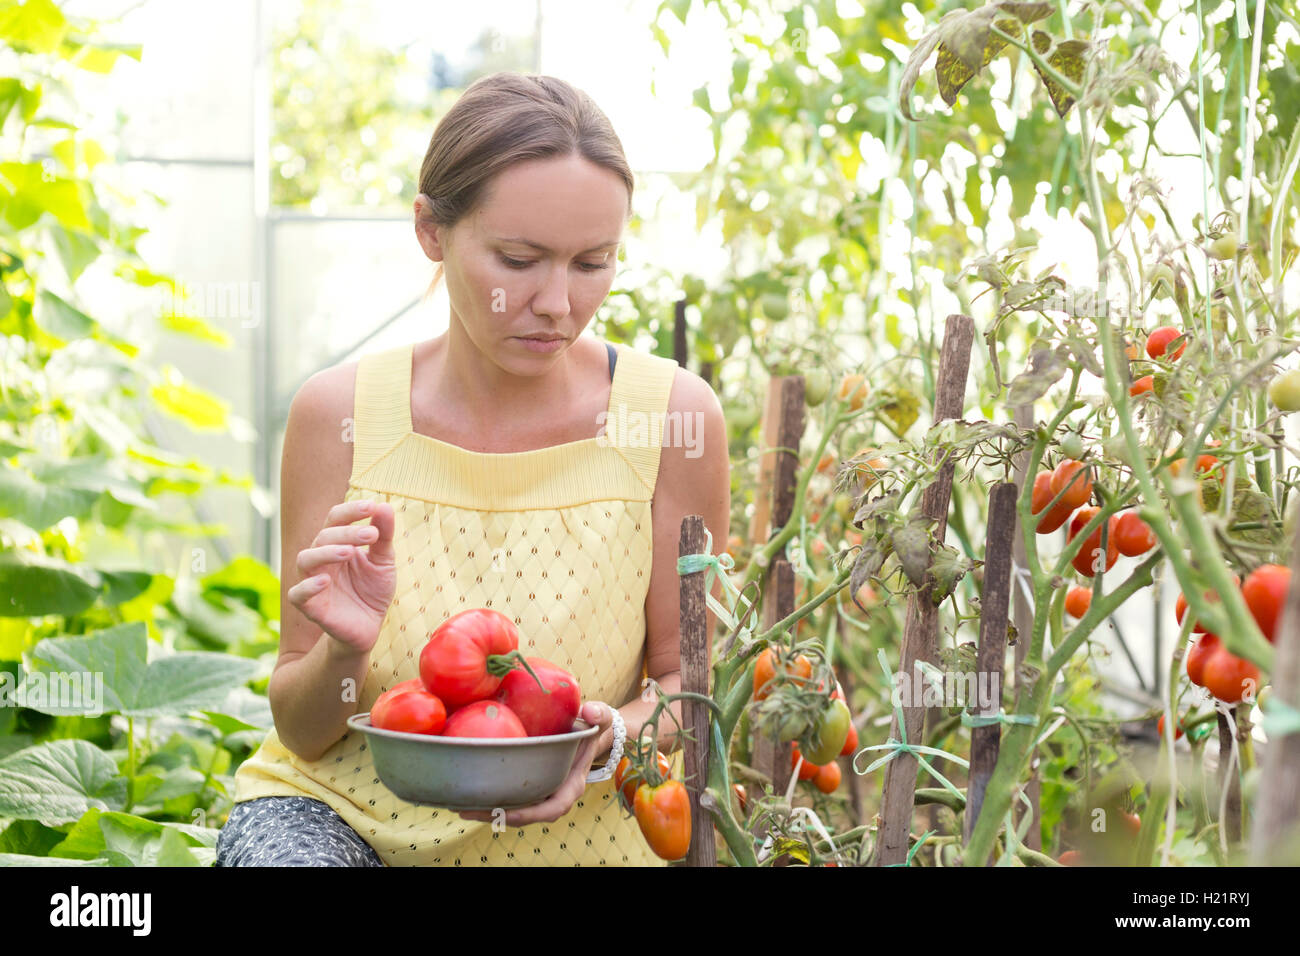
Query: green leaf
{"points": [[1067, 59], [28, 836], [32, 190], [76, 250], [912, 546], [60, 319], [197, 328], [20, 859], [124, 839], [97, 474], [214, 617], [202, 410], [101, 57], [38, 585], [174, 684], [251, 581], [40, 505], [37, 26], [57, 782]]}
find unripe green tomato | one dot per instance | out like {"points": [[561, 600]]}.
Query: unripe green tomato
{"points": [[816, 386], [1072, 446], [791, 727], [775, 306], [1225, 247], [1161, 278], [844, 506], [1284, 391], [745, 417], [828, 734]]}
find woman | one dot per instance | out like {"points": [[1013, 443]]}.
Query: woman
{"points": [[471, 470]]}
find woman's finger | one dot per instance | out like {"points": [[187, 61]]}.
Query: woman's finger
{"points": [[353, 534], [312, 561]]}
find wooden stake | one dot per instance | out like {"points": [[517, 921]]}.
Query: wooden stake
{"points": [[696, 652], [921, 630], [991, 661], [1023, 615]]}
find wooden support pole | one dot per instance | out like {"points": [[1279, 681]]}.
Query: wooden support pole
{"points": [[991, 661], [696, 651], [921, 629], [1023, 616], [783, 426]]}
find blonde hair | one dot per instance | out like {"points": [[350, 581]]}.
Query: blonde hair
{"points": [[503, 119]]}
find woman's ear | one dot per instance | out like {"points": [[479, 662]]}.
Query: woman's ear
{"points": [[427, 232]]}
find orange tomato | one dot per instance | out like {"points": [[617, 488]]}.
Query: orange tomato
{"points": [[765, 672], [853, 389], [1145, 384], [664, 815], [1070, 858], [1133, 536], [1160, 728], [626, 785], [1077, 601], [1073, 478], [850, 742], [1052, 517], [828, 777], [1089, 555]]}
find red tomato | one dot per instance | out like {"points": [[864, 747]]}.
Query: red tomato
{"points": [[828, 777], [626, 782], [1201, 652], [1265, 592], [1180, 607], [1158, 342], [408, 709], [1077, 601], [1052, 517], [1070, 858], [850, 742], [465, 657], [1074, 479], [806, 770], [664, 815], [1089, 555], [1132, 821], [1229, 677], [547, 709], [484, 718], [1160, 728], [1145, 384], [1133, 536]]}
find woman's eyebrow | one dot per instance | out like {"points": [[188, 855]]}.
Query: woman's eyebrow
{"points": [[539, 246]]}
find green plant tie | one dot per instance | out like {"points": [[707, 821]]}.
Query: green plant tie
{"points": [[896, 747], [717, 566], [915, 846], [1001, 717], [1280, 718]]}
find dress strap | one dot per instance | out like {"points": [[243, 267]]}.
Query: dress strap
{"points": [[381, 405], [636, 422]]}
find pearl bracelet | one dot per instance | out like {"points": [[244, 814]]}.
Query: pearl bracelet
{"points": [[615, 752]]}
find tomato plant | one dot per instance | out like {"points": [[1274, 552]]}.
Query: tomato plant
{"points": [[626, 780], [765, 672]]}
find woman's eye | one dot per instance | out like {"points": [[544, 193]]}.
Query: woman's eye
{"points": [[524, 263]]}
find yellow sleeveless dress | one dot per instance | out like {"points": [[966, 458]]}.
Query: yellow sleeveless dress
{"points": [[557, 538]]}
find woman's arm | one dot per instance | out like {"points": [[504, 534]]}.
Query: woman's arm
{"points": [[694, 478]]}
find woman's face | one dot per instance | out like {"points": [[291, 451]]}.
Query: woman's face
{"points": [[538, 255]]}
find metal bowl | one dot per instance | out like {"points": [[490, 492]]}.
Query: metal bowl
{"points": [[472, 773]]}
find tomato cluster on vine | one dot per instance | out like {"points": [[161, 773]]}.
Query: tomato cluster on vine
{"points": [[1211, 665]]}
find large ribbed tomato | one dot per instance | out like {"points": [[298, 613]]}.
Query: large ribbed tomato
{"points": [[467, 655], [546, 708]]}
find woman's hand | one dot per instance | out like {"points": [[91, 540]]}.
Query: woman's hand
{"points": [[570, 791], [346, 587]]}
